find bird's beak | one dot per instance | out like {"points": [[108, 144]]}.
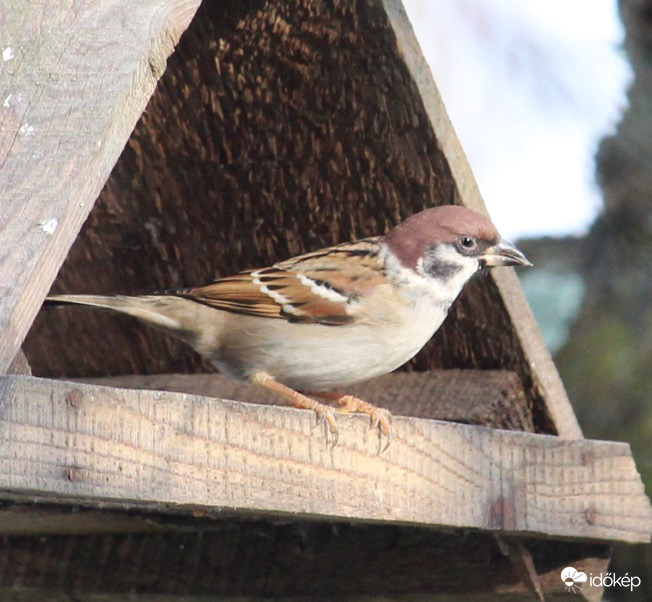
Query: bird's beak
{"points": [[504, 253]]}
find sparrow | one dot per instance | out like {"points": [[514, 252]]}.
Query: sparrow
{"points": [[317, 323]]}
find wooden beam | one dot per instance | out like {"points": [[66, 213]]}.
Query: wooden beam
{"points": [[75, 79], [83, 444], [492, 398], [288, 560], [51, 519], [486, 397], [540, 367], [20, 364]]}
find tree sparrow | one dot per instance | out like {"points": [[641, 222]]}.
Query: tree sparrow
{"points": [[329, 318]]}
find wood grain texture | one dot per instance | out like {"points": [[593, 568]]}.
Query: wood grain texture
{"points": [[77, 81], [285, 561], [277, 128], [542, 370], [51, 519], [493, 398], [482, 572], [95, 445], [537, 367], [19, 365]]}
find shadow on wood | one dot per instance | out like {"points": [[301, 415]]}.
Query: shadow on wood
{"points": [[315, 561]]}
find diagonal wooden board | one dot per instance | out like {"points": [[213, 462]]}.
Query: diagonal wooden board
{"points": [[535, 351], [74, 80], [76, 443]]}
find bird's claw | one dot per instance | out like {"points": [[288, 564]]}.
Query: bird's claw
{"points": [[388, 439], [326, 417], [379, 418], [382, 420]]}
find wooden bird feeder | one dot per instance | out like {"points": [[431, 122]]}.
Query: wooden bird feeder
{"points": [[275, 128]]}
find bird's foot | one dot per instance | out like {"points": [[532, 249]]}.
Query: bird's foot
{"points": [[324, 413], [380, 417]]}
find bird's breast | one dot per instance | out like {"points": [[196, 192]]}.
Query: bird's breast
{"points": [[321, 357]]}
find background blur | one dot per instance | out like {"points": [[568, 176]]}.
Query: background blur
{"points": [[553, 104]]}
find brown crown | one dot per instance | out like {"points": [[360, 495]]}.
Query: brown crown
{"points": [[409, 240]]}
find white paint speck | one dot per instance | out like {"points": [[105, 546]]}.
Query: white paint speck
{"points": [[49, 225], [26, 129], [7, 101], [8, 53]]}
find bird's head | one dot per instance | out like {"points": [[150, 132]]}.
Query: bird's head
{"points": [[450, 244]]}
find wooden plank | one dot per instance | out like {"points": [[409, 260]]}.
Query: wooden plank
{"points": [[541, 367], [44, 519], [96, 445], [53, 519], [492, 398], [286, 560], [19, 365], [76, 81], [33, 520]]}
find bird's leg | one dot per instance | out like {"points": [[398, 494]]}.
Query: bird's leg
{"points": [[380, 417], [299, 400]]}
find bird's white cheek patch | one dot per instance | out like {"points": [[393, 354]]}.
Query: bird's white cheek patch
{"points": [[446, 265], [440, 291]]}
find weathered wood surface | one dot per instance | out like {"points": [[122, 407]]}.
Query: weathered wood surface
{"points": [[19, 365], [74, 78], [330, 549], [277, 128], [492, 398], [50, 519], [308, 561], [79, 443]]}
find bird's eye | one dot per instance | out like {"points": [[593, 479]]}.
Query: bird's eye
{"points": [[467, 243]]}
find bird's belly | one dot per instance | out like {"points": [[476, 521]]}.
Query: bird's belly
{"points": [[316, 357]]}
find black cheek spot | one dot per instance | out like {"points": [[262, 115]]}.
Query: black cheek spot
{"points": [[436, 266], [441, 270]]}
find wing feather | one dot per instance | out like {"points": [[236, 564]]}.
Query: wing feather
{"points": [[309, 288]]}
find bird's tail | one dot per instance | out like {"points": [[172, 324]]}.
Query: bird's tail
{"points": [[164, 312]]}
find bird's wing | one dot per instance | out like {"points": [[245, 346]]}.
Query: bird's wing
{"points": [[320, 287]]}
